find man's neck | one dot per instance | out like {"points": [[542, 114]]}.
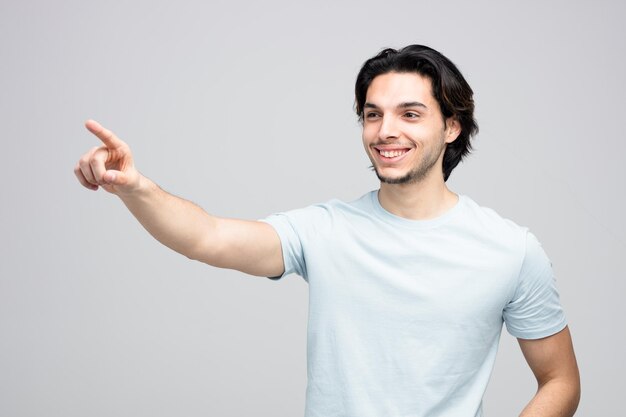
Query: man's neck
{"points": [[417, 201]]}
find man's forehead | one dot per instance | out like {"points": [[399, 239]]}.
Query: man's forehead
{"points": [[400, 88]]}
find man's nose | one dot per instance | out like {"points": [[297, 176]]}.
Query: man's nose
{"points": [[388, 128]]}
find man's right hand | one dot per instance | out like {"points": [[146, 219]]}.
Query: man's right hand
{"points": [[252, 247], [109, 166]]}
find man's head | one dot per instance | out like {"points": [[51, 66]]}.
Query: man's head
{"points": [[451, 96]]}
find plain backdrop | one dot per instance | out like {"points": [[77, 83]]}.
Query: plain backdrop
{"points": [[246, 108]]}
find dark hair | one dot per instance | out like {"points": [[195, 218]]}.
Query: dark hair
{"points": [[452, 92]]}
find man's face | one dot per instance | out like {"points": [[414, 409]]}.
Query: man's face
{"points": [[404, 133]]}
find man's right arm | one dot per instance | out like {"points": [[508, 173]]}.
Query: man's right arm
{"points": [[252, 247]]}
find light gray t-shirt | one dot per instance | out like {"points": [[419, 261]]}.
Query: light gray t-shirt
{"points": [[405, 316]]}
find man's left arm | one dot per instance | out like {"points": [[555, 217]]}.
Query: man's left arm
{"points": [[553, 362]]}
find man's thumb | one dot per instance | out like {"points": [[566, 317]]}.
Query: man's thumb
{"points": [[114, 177]]}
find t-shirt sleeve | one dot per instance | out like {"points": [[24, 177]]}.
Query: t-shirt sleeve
{"points": [[291, 244], [535, 310]]}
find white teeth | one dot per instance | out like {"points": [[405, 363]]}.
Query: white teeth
{"points": [[392, 154]]}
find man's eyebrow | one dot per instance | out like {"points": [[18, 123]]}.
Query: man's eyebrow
{"points": [[404, 105], [412, 104]]}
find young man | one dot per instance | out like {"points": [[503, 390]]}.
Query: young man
{"points": [[410, 284]]}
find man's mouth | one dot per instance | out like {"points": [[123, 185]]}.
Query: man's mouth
{"points": [[391, 153]]}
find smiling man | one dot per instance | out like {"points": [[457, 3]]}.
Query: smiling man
{"points": [[425, 133], [409, 285]]}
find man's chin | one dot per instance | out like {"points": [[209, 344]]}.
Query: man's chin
{"points": [[410, 177], [397, 179]]}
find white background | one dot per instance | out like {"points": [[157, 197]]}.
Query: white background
{"points": [[247, 109]]}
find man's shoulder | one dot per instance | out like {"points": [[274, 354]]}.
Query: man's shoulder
{"points": [[488, 215], [320, 215], [489, 223]]}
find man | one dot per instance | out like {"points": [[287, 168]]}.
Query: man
{"points": [[410, 284]]}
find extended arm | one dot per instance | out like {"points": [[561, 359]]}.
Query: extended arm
{"points": [[553, 362], [248, 246]]}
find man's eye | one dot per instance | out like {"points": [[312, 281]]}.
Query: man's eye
{"points": [[411, 115], [371, 115]]}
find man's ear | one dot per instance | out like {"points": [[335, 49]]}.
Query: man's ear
{"points": [[453, 129]]}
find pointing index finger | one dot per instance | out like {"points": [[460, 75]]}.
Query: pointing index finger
{"points": [[105, 135]]}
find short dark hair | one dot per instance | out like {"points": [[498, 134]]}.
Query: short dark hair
{"points": [[452, 92]]}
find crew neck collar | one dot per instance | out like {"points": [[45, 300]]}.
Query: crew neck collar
{"points": [[395, 220]]}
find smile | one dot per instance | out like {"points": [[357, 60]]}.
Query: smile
{"points": [[391, 155]]}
